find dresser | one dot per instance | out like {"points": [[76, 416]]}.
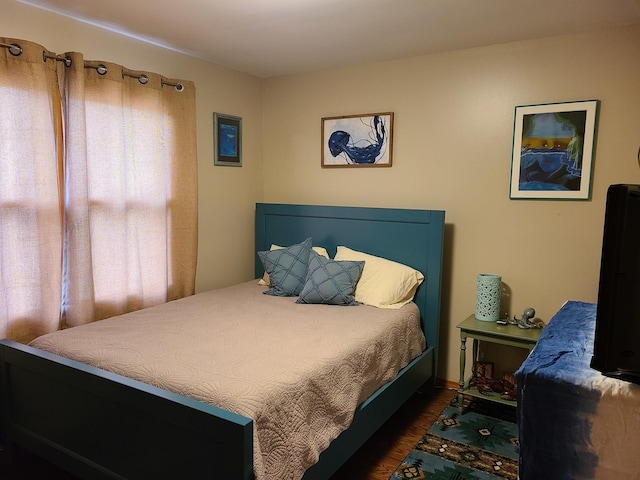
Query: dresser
{"points": [[573, 422]]}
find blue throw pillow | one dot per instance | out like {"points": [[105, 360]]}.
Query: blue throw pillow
{"points": [[287, 268], [330, 281]]}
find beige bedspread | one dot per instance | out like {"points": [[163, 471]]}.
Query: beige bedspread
{"points": [[299, 371]]}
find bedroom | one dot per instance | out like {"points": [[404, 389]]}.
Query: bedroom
{"points": [[546, 251]]}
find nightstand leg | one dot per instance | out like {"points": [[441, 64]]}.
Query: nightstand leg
{"points": [[474, 358], [463, 359]]}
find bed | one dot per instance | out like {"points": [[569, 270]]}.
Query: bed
{"points": [[574, 422], [99, 424]]}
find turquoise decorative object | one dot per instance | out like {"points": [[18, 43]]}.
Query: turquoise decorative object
{"points": [[488, 297]]}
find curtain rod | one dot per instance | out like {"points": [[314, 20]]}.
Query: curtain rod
{"points": [[66, 60], [16, 50], [101, 69]]}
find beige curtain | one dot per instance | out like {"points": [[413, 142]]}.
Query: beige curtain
{"points": [[129, 190], [30, 217]]}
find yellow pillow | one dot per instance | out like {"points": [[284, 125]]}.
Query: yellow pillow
{"points": [[265, 278], [384, 283]]}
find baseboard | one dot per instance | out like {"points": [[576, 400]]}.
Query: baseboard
{"points": [[448, 384]]}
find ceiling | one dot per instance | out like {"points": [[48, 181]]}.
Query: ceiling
{"points": [[269, 38]]}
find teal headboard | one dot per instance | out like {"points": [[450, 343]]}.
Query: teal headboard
{"points": [[411, 237]]}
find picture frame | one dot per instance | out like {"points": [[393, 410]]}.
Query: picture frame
{"points": [[227, 140], [553, 147], [364, 140]]}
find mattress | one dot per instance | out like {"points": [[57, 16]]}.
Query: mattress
{"points": [[299, 371], [575, 423]]}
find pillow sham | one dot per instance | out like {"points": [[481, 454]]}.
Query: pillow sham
{"points": [[287, 268], [384, 283], [265, 278], [330, 282]]}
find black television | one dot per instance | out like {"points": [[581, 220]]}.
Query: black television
{"points": [[616, 351]]}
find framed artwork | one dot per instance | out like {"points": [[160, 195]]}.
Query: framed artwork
{"points": [[227, 140], [553, 147], [357, 140]]}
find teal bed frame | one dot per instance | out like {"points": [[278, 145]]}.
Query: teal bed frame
{"points": [[98, 425]]}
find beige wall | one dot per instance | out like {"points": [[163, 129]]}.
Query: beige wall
{"points": [[452, 151], [227, 195]]}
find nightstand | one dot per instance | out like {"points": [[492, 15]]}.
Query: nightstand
{"points": [[493, 332]]}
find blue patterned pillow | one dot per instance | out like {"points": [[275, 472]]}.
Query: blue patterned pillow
{"points": [[287, 268], [330, 281]]}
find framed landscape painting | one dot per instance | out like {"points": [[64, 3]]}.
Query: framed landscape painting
{"points": [[357, 140], [553, 146], [227, 140]]}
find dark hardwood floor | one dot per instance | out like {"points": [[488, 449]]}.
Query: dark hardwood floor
{"points": [[376, 460], [385, 450]]}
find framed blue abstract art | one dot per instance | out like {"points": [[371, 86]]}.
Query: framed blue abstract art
{"points": [[357, 140], [553, 146], [227, 140]]}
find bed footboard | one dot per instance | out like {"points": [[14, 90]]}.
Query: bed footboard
{"points": [[98, 425]]}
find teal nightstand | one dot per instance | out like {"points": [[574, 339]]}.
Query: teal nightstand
{"points": [[493, 332]]}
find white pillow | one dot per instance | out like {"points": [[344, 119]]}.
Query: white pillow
{"points": [[384, 283], [265, 278]]}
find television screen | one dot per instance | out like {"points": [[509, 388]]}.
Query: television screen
{"points": [[617, 336]]}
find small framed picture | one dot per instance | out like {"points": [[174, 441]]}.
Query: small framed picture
{"points": [[357, 140], [553, 147], [227, 140]]}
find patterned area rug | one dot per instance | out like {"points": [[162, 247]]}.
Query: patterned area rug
{"points": [[464, 446]]}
